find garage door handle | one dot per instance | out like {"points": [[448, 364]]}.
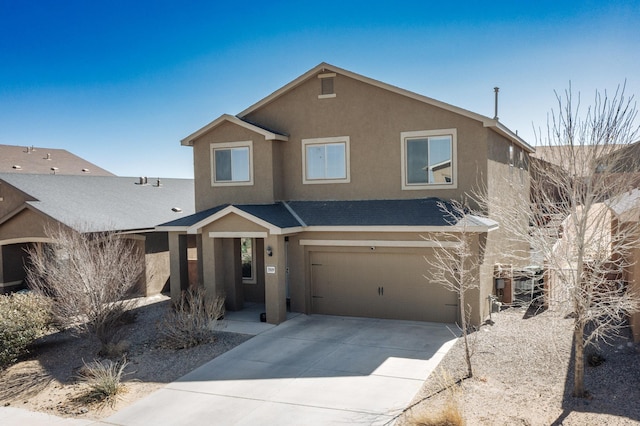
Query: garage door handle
{"points": [[317, 297], [380, 291]]}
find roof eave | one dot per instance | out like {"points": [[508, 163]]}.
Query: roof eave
{"points": [[188, 141], [506, 132]]}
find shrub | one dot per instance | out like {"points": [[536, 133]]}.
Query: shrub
{"points": [[88, 276], [23, 319], [192, 321], [449, 413], [104, 379]]}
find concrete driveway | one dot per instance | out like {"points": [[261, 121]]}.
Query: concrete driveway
{"points": [[311, 370]]}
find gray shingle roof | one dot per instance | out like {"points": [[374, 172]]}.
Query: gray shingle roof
{"points": [[101, 203], [23, 160], [416, 212]]}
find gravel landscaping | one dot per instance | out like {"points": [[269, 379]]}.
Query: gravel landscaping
{"points": [[522, 365], [47, 379], [523, 376]]}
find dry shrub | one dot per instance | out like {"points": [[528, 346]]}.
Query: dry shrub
{"points": [[23, 319], [449, 413], [193, 320], [104, 379], [88, 276]]}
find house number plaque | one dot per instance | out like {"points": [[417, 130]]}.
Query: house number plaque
{"points": [[271, 269]]}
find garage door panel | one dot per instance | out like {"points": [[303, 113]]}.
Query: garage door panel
{"points": [[381, 285]]}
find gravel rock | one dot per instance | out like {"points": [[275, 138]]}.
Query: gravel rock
{"points": [[523, 374]]}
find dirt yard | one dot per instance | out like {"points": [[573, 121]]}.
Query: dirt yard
{"points": [[46, 380], [522, 366]]}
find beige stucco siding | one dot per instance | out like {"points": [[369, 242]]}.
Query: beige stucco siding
{"points": [[11, 199], [371, 117], [261, 192], [25, 225]]}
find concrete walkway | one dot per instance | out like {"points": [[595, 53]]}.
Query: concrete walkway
{"points": [[311, 370]]}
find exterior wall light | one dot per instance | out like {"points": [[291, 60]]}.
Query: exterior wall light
{"points": [[269, 251]]}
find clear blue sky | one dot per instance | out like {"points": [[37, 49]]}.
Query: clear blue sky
{"points": [[121, 82]]}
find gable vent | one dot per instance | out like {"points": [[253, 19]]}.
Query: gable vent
{"points": [[326, 85]]}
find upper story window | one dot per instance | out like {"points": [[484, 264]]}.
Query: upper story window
{"points": [[429, 159], [232, 163], [326, 85], [325, 160]]}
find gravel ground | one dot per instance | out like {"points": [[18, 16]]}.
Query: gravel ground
{"points": [[47, 379], [523, 376]]}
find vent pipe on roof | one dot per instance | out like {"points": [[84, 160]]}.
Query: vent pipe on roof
{"points": [[496, 90]]}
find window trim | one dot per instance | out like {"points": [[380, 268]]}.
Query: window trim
{"points": [[404, 136], [231, 145], [326, 141]]}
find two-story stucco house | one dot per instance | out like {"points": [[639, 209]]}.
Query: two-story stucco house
{"points": [[316, 198]]}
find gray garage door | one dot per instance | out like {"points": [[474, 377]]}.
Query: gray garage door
{"points": [[378, 285]]}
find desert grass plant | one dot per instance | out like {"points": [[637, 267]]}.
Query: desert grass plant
{"points": [[23, 319], [89, 277], [104, 379], [193, 320], [448, 413]]}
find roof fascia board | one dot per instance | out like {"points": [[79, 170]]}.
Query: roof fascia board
{"points": [[378, 243], [506, 132], [181, 229], [25, 240], [188, 141], [402, 228], [196, 227]]}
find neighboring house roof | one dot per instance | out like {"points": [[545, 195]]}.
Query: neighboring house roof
{"points": [[626, 202], [23, 160], [104, 203], [324, 67], [419, 213]]}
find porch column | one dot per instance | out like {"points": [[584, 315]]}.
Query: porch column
{"points": [[178, 265], [233, 288], [275, 279], [212, 262]]}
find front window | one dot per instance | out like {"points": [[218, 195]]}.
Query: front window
{"points": [[232, 163], [428, 159], [326, 160]]}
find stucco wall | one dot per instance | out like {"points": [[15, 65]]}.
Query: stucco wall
{"points": [[262, 190], [373, 119]]}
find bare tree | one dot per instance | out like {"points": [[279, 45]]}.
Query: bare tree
{"points": [[88, 276], [455, 265], [582, 172]]}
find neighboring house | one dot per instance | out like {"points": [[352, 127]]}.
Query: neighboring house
{"points": [[30, 160], [29, 203], [316, 198], [626, 216]]}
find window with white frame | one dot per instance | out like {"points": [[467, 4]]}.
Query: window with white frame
{"points": [[232, 163], [429, 159], [325, 160]]}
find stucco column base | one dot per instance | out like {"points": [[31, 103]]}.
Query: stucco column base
{"points": [[275, 279]]}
